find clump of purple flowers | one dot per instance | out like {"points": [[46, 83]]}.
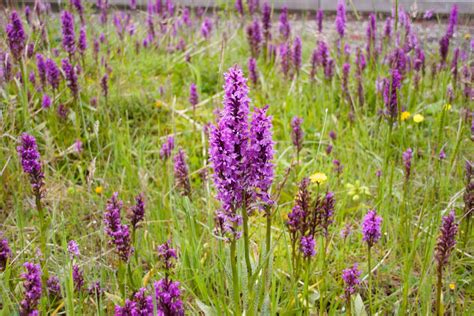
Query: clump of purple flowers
{"points": [[307, 246], [254, 37], [137, 211], [267, 22], [5, 252], [407, 157], [31, 163], [181, 173], [52, 73], [446, 240], [118, 232], [73, 249], [284, 25], [53, 286], [32, 285], [167, 256], [371, 228], [206, 28], [77, 277], [252, 66], [297, 53], [193, 96], [71, 77], [350, 276], [167, 148], [297, 134], [16, 35], [168, 297], [391, 89], [69, 40], [260, 153], [341, 18], [319, 19]]}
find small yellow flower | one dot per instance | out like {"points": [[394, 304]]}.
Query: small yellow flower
{"points": [[99, 189], [158, 103], [418, 118], [318, 178], [452, 286], [447, 107], [467, 36], [405, 115]]}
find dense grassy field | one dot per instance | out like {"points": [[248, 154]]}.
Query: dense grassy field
{"points": [[392, 133]]}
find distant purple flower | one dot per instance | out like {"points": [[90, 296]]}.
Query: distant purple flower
{"points": [[114, 228], [378, 173], [446, 240], [239, 7], [307, 246], [42, 69], [104, 84], [428, 15], [32, 285], [297, 53], [128, 309], [16, 35], [252, 66], [82, 42], [351, 280], [77, 146], [346, 231], [73, 249], [329, 149], [325, 212], [338, 167], [30, 161], [260, 154], [341, 18], [206, 28], [168, 298], [442, 154], [69, 41], [346, 68], [181, 173], [285, 58], [62, 111], [71, 77], [319, 19], [167, 148], [407, 156], [46, 102], [329, 69], [5, 252], [297, 133], [254, 37], [390, 93], [453, 21], [267, 22], [444, 48], [28, 14], [78, 277], [80, 9], [95, 290], [133, 4], [167, 255], [387, 30], [371, 228], [284, 24], [53, 286], [186, 17], [144, 303], [52, 73], [137, 211], [30, 49]]}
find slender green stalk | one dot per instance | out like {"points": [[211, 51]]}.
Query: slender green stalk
{"points": [[235, 277], [43, 237], [439, 289], [245, 218], [322, 306], [370, 280]]}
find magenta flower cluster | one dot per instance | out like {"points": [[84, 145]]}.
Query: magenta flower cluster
{"points": [[30, 161], [118, 232], [371, 228]]}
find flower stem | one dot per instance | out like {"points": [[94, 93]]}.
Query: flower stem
{"points": [[370, 281], [439, 286], [43, 236], [235, 277], [323, 278], [245, 218]]}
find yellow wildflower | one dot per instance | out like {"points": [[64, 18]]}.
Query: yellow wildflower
{"points": [[158, 103], [452, 286], [447, 107], [318, 178], [467, 36], [405, 115], [99, 189], [418, 118]]}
